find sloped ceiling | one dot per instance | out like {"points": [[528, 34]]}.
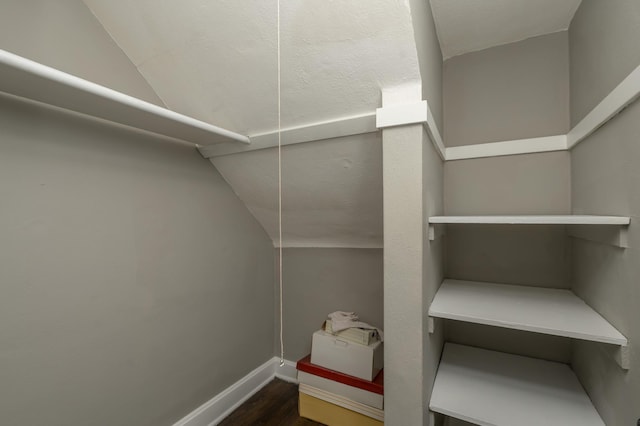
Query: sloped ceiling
{"points": [[216, 61], [465, 26], [332, 191]]}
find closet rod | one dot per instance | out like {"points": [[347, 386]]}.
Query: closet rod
{"points": [[28, 79]]}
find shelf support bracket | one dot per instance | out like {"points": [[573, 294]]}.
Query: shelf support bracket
{"points": [[620, 354], [435, 231], [432, 324], [617, 236]]}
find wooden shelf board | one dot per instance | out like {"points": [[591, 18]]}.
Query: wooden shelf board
{"points": [[28, 79], [540, 310], [532, 220], [490, 388]]}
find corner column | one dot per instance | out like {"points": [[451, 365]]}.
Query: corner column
{"points": [[404, 212]]}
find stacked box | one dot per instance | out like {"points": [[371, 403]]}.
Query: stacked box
{"points": [[354, 359], [334, 398]]}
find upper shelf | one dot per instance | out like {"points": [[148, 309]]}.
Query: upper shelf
{"points": [[541, 310], [28, 79], [533, 220]]}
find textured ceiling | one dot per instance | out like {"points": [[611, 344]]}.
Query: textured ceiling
{"points": [[216, 61], [468, 25], [332, 190]]}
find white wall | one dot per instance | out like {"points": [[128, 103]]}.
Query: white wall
{"points": [[134, 283]]}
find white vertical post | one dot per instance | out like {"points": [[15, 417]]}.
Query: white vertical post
{"points": [[405, 331]]}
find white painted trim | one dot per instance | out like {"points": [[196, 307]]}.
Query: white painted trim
{"points": [[419, 112], [220, 406], [435, 231], [31, 80], [624, 94], [402, 114], [287, 372], [339, 127], [497, 149], [434, 134], [412, 113], [329, 244]]}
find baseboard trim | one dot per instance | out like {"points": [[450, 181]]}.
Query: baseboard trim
{"points": [[287, 372], [220, 406]]}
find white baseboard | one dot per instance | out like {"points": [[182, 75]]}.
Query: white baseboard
{"points": [[287, 372], [220, 406]]}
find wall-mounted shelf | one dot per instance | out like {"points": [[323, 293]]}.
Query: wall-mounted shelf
{"points": [[612, 230], [496, 389], [532, 220], [540, 310], [28, 79]]}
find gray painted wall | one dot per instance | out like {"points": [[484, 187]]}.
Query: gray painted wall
{"points": [[65, 35], [429, 57], [515, 91], [604, 49], [605, 180], [318, 281], [135, 284], [531, 183]]}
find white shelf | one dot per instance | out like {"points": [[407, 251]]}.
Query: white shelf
{"points": [[28, 79], [532, 220], [540, 310], [497, 389]]}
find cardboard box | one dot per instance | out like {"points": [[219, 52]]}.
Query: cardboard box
{"points": [[370, 393], [346, 357], [330, 414], [341, 390]]}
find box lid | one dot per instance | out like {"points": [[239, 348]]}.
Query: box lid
{"points": [[375, 386]]}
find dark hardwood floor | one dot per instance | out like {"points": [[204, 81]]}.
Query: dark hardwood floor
{"points": [[274, 405]]}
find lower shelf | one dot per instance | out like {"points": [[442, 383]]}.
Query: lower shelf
{"points": [[496, 389]]}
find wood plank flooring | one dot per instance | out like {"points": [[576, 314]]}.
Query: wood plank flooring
{"points": [[274, 405]]}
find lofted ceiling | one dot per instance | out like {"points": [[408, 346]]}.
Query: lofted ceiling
{"points": [[216, 61], [465, 26]]}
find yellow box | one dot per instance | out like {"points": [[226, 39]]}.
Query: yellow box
{"points": [[331, 414]]}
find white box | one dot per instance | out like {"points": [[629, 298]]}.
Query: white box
{"points": [[350, 358]]}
